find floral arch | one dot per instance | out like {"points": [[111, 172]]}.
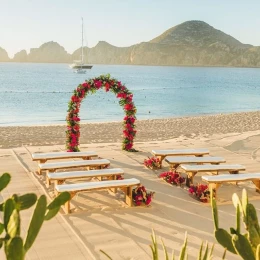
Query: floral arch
{"points": [[91, 86]]}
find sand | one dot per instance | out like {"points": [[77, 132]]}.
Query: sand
{"points": [[148, 130], [101, 219]]}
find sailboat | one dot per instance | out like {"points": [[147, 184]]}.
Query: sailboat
{"points": [[79, 65]]}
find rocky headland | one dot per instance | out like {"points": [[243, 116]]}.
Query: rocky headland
{"points": [[192, 43]]}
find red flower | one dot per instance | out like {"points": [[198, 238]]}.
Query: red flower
{"points": [[121, 95], [128, 107], [98, 83], [148, 200], [107, 86], [85, 84], [128, 146]]}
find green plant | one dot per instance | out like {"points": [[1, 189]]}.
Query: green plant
{"points": [[247, 245], [14, 245], [204, 254]]}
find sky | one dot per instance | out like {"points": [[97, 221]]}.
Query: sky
{"points": [[26, 24]]}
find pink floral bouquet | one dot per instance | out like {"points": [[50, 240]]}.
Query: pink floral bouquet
{"points": [[141, 195], [152, 163], [173, 178], [201, 192]]}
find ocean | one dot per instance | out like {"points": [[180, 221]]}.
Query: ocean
{"points": [[38, 94]]}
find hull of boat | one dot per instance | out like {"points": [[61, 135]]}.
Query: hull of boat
{"points": [[86, 67]]}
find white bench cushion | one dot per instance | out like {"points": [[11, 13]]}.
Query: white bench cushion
{"points": [[200, 151], [209, 167], [79, 174], [70, 164], [62, 155], [193, 159], [231, 177], [84, 186]]}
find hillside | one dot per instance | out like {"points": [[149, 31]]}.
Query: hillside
{"points": [[192, 43], [3, 55]]}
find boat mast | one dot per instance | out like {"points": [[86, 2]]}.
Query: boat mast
{"points": [[82, 42]]}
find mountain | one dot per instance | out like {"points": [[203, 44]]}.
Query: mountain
{"points": [[3, 55], [49, 52], [192, 43], [20, 56]]}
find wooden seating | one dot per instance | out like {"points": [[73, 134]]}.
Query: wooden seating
{"points": [[60, 177], [98, 164], [126, 185], [215, 182], [44, 157], [161, 154], [192, 170], [175, 161]]}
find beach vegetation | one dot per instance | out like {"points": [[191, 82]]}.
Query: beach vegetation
{"points": [[245, 245], [14, 245]]}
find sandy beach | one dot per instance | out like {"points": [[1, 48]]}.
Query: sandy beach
{"points": [[147, 130], [101, 219]]}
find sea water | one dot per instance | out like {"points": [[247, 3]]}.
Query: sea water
{"points": [[38, 94]]}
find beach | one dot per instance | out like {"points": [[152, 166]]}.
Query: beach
{"points": [[147, 130], [100, 220]]}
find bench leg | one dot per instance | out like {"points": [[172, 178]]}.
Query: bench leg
{"points": [[67, 204], [160, 160], [190, 176], [39, 172], [113, 177], [48, 182], [174, 166], [128, 196], [257, 185], [67, 207]]}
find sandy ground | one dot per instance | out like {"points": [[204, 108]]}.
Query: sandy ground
{"points": [[101, 219], [148, 130]]}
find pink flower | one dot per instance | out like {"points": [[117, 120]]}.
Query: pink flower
{"points": [[98, 83]]}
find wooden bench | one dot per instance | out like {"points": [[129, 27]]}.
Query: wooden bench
{"points": [[161, 154], [52, 167], [126, 185], [44, 157], [215, 182], [175, 161], [192, 170], [60, 177]]}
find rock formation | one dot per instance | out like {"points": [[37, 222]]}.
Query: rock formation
{"points": [[3, 55], [20, 56], [192, 43], [50, 52]]}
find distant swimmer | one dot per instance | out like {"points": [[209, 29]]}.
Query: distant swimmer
{"points": [[149, 112]]}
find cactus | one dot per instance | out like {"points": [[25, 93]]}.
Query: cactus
{"points": [[14, 245], [247, 245]]}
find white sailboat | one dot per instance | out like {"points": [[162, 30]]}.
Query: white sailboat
{"points": [[79, 65]]}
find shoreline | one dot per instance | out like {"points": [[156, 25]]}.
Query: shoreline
{"points": [[120, 121], [147, 130]]}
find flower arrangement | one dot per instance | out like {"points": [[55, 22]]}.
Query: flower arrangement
{"points": [[140, 195], [119, 177], [91, 86], [152, 163], [201, 192], [173, 178]]}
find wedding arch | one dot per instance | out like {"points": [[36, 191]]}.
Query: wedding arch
{"points": [[91, 86]]}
